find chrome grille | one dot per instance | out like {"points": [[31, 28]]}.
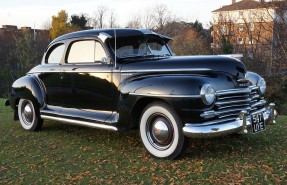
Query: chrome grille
{"points": [[231, 102]]}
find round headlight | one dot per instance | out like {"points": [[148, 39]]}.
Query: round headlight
{"points": [[207, 94], [262, 86]]}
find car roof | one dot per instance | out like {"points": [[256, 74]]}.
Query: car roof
{"points": [[120, 32]]}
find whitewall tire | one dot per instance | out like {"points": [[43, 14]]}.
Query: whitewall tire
{"points": [[161, 131], [28, 117]]}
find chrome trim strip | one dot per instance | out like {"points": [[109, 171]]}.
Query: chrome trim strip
{"points": [[253, 88], [242, 80], [257, 104], [233, 106], [233, 91], [220, 103], [74, 71], [166, 95], [126, 71], [81, 123], [166, 70]]}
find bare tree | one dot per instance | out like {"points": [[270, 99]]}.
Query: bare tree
{"points": [[100, 17], [135, 22], [148, 19], [47, 24], [161, 15], [112, 19], [249, 35], [279, 30]]}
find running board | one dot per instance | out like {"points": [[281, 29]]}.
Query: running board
{"points": [[81, 123]]}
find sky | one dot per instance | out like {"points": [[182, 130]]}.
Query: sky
{"points": [[37, 12]]}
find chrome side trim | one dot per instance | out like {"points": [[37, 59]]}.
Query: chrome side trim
{"points": [[73, 71], [81, 123], [166, 70], [125, 71], [166, 95]]}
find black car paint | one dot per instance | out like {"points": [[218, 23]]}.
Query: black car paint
{"points": [[115, 94]]}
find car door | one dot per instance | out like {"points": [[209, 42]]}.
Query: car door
{"points": [[90, 80], [51, 74]]}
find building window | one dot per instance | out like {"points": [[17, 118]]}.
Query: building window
{"points": [[250, 40], [223, 30], [240, 27], [240, 40], [251, 26], [220, 17], [240, 14]]}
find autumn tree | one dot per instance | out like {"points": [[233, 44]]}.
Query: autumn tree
{"points": [[190, 43], [60, 24], [21, 55]]}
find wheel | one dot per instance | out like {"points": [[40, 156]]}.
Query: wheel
{"points": [[28, 117], [161, 131]]}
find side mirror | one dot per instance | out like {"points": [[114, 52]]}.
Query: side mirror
{"points": [[104, 60]]}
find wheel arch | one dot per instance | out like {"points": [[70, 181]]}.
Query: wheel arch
{"points": [[139, 106], [27, 87]]}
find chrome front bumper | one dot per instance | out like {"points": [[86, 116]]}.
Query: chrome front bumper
{"points": [[240, 125]]}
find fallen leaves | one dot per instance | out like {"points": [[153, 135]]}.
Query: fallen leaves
{"points": [[63, 154]]}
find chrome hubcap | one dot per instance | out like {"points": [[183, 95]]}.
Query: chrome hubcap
{"points": [[27, 113], [159, 131]]}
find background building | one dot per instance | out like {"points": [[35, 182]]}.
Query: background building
{"points": [[253, 28]]}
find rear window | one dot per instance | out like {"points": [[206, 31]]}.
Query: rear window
{"points": [[55, 54]]}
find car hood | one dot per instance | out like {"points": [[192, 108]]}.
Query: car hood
{"points": [[188, 65]]}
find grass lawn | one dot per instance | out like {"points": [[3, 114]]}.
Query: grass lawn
{"points": [[64, 154]]}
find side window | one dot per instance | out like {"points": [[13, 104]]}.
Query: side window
{"points": [[55, 55], [82, 52], [86, 51], [100, 52]]}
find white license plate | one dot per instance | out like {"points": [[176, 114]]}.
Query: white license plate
{"points": [[257, 123]]}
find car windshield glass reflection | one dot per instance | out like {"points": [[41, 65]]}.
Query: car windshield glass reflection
{"points": [[140, 46]]}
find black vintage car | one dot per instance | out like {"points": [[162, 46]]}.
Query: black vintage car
{"points": [[117, 79]]}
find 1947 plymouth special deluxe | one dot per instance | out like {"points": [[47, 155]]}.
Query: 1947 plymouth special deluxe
{"points": [[117, 79]]}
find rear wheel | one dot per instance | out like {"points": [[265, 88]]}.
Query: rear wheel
{"points": [[161, 131], [28, 117]]}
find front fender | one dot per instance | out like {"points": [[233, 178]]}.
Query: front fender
{"points": [[176, 84], [27, 87], [181, 91], [253, 77]]}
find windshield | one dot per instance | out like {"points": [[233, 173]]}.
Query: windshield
{"points": [[140, 46]]}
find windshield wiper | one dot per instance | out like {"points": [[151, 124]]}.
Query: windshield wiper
{"points": [[143, 57]]}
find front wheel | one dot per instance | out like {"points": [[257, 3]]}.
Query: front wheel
{"points": [[28, 117], [161, 131]]}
